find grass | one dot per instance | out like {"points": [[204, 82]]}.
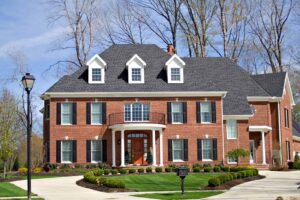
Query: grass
{"points": [[164, 182], [177, 195], [10, 190]]}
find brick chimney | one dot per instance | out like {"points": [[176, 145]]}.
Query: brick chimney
{"points": [[170, 49]]}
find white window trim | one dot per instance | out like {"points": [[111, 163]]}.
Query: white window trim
{"points": [[92, 113], [236, 129], [172, 113], [177, 160], [101, 65], [141, 66], [61, 114], [91, 75], [202, 122], [181, 80], [100, 161], [131, 113], [207, 160], [61, 154]]}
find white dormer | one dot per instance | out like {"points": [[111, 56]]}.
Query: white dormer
{"points": [[174, 68], [96, 69], [135, 68]]}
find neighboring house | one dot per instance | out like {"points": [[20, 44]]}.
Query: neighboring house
{"points": [[296, 138], [132, 100]]}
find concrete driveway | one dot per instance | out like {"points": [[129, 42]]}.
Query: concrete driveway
{"points": [[276, 184]]}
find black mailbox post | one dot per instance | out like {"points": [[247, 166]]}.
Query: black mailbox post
{"points": [[182, 172]]}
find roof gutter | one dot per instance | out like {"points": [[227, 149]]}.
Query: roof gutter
{"points": [[262, 98], [237, 117], [48, 95]]}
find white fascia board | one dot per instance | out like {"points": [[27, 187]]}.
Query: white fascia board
{"points": [[136, 57], [296, 138], [137, 126], [175, 57], [237, 117], [48, 95], [262, 98], [290, 92], [96, 57], [260, 128]]}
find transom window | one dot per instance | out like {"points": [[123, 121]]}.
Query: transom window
{"points": [[137, 112], [177, 112], [207, 149], [137, 135], [96, 151], [96, 113], [96, 74], [178, 150], [206, 115], [67, 113], [175, 74], [136, 74], [231, 129], [66, 151]]}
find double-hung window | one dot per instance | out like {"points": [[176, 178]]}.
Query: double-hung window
{"points": [[231, 129], [137, 112], [177, 112], [288, 151], [136, 74], [67, 151], [96, 74], [175, 74], [178, 150], [207, 149], [206, 115], [286, 118], [96, 113], [67, 113], [96, 151], [47, 111]]}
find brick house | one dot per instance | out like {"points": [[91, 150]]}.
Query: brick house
{"points": [[136, 100]]}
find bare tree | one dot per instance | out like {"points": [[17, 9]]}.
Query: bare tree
{"points": [[269, 25], [80, 16], [161, 17]]}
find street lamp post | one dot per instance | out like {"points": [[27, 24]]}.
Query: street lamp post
{"points": [[28, 81]]}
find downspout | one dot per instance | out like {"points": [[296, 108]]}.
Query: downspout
{"points": [[279, 131], [223, 139]]}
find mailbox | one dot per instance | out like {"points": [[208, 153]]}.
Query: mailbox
{"points": [[182, 171]]}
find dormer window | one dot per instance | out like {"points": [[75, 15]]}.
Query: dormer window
{"points": [[174, 67], [96, 69], [135, 68], [136, 74]]}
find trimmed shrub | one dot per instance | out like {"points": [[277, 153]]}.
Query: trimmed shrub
{"points": [[214, 182], [297, 158], [290, 164], [37, 170], [296, 165], [113, 171], [149, 170], [22, 170], [197, 165], [106, 171], [207, 169], [98, 172], [158, 169], [103, 166], [168, 169], [114, 184], [234, 175], [90, 177], [172, 165], [217, 169], [132, 171], [196, 169], [206, 165], [141, 170], [226, 169], [123, 171]]}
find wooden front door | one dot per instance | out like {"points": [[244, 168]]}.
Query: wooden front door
{"points": [[138, 151]]}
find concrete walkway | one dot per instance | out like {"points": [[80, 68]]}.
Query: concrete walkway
{"points": [[276, 184]]}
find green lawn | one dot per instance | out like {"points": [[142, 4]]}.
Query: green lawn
{"points": [[10, 190], [163, 182], [187, 195]]}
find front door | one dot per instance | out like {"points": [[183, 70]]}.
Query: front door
{"points": [[252, 151], [138, 151]]}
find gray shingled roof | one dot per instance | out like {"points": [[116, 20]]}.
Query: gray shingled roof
{"points": [[272, 83], [200, 74], [296, 129]]}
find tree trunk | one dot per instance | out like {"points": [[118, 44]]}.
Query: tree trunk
{"points": [[4, 169]]}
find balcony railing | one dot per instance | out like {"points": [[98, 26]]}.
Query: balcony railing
{"points": [[121, 118]]}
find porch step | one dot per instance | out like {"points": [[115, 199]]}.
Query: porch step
{"points": [[261, 166]]}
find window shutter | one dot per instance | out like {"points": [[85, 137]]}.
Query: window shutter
{"points": [[58, 151], [58, 113], [186, 150], [103, 113], [199, 148], [170, 152], [48, 152], [74, 113], [198, 112], [213, 112], [88, 113], [184, 109], [215, 149], [169, 111], [104, 151], [88, 151], [74, 151]]}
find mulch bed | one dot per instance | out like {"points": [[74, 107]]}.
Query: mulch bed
{"points": [[230, 184], [82, 183]]}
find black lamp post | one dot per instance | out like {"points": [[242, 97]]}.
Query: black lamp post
{"points": [[28, 81]]}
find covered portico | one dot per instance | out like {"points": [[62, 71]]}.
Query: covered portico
{"points": [[263, 130]]}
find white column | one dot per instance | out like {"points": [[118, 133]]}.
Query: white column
{"points": [[153, 148], [113, 150], [263, 148], [122, 149], [161, 161]]}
